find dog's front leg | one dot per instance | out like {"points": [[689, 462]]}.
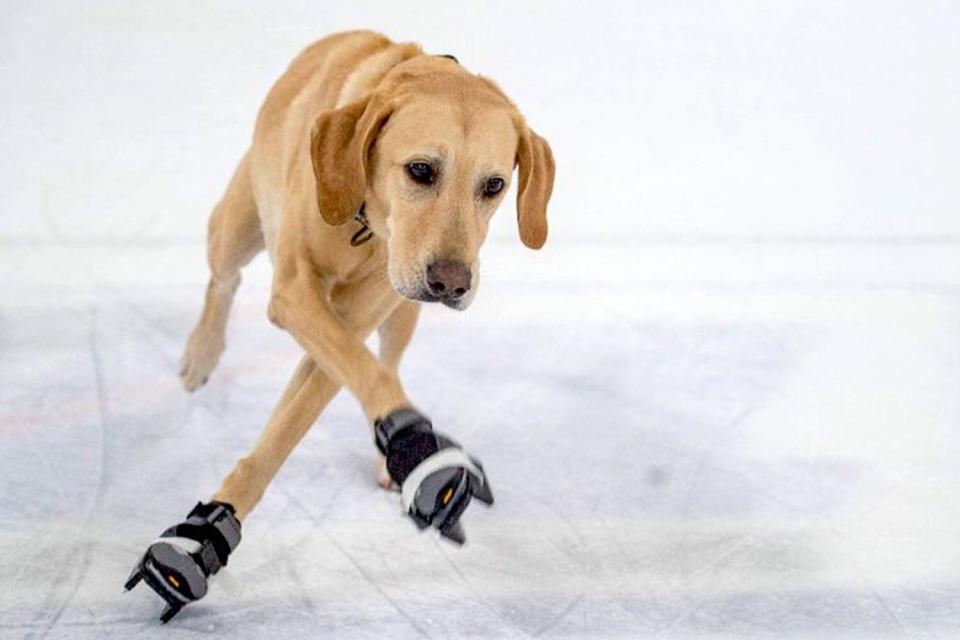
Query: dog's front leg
{"points": [[300, 306], [359, 309], [437, 477]]}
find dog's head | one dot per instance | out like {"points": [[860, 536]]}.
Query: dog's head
{"points": [[432, 152]]}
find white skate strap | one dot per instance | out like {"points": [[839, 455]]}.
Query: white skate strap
{"points": [[184, 545], [443, 459]]}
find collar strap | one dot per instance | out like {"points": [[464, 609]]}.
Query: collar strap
{"points": [[386, 428]]}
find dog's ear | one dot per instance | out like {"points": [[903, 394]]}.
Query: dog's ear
{"points": [[340, 144], [535, 160]]}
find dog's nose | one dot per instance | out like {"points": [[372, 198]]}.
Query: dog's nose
{"points": [[448, 279]]}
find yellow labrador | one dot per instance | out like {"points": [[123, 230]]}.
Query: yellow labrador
{"points": [[373, 174]]}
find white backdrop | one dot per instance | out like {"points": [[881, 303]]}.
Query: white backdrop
{"points": [[722, 402], [123, 120]]}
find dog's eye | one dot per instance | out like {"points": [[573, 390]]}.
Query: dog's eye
{"points": [[493, 187], [421, 172]]}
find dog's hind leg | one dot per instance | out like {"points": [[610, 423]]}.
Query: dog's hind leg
{"points": [[309, 391], [234, 237]]}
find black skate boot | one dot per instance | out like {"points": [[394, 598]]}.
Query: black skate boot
{"points": [[436, 476], [179, 563]]}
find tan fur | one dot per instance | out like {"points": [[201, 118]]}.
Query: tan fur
{"points": [[336, 130]]}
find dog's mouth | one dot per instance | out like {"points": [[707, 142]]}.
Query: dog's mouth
{"points": [[424, 295]]}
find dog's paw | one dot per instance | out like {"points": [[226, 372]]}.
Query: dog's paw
{"points": [[199, 360], [383, 476]]}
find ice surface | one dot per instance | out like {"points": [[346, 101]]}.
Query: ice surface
{"points": [[723, 402]]}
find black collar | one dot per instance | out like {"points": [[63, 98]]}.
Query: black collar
{"points": [[363, 234]]}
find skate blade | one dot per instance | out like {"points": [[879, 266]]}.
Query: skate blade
{"points": [[454, 534]]}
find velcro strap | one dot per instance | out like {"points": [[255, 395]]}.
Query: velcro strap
{"points": [[226, 525], [209, 559], [443, 459], [385, 429], [216, 530]]}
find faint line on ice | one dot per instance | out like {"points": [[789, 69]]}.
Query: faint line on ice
{"points": [[87, 546]]}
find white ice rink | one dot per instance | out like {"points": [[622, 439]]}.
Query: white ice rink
{"points": [[723, 402]]}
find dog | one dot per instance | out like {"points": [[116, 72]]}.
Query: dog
{"points": [[373, 174]]}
